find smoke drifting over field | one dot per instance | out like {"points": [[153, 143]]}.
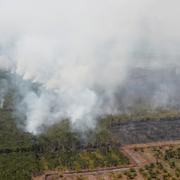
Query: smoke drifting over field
{"points": [[89, 57]]}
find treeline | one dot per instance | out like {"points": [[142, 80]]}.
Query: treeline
{"points": [[61, 136], [58, 147]]}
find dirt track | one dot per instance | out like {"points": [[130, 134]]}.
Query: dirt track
{"points": [[153, 144]]}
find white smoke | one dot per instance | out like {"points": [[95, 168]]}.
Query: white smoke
{"points": [[80, 52]]}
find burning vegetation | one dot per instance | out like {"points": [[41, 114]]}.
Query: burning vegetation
{"points": [[81, 80], [63, 149]]}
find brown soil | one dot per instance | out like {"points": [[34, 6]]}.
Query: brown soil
{"points": [[145, 157]]}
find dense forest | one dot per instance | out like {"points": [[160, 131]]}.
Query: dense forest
{"points": [[58, 147], [23, 154]]}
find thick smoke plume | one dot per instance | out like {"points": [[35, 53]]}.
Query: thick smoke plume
{"points": [[84, 58]]}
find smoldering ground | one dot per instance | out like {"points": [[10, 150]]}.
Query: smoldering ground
{"points": [[88, 58]]}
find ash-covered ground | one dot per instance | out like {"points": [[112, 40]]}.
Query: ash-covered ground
{"points": [[145, 131]]}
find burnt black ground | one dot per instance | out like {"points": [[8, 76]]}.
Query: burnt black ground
{"points": [[145, 131]]}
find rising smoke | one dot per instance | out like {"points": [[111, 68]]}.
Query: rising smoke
{"points": [[84, 58]]}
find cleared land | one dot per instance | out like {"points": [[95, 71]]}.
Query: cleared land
{"points": [[147, 130]]}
